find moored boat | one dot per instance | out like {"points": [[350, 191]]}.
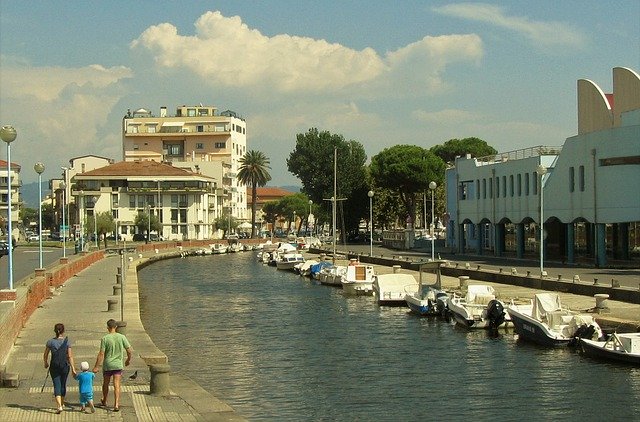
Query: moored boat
{"points": [[358, 279], [391, 289], [332, 275], [550, 324], [288, 260], [218, 248], [428, 300], [479, 308], [621, 347]]}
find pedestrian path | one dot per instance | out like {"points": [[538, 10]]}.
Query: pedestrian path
{"points": [[81, 305]]}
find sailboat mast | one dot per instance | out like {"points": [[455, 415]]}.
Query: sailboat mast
{"points": [[335, 198]]}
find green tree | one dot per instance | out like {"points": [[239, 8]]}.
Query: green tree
{"points": [[407, 170], [48, 217], [460, 147], [254, 166], [28, 216], [106, 224], [145, 220], [270, 212], [227, 223], [312, 161]]}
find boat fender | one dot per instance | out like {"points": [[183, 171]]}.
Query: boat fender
{"points": [[495, 313]]}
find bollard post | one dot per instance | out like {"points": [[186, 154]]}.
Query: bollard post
{"points": [[121, 327], [116, 289], [396, 269], [463, 280], [111, 304], [615, 283], [160, 380], [559, 277], [118, 278], [576, 278], [602, 303]]}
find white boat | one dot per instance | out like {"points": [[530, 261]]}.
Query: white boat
{"points": [[332, 275], [236, 247], [304, 269], [548, 323], [218, 248], [288, 260], [621, 347], [358, 279], [479, 308], [428, 300], [391, 289]]}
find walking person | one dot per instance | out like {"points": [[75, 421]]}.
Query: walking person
{"points": [[61, 361], [111, 357], [85, 386]]}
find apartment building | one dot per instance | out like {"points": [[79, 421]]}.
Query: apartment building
{"points": [[184, 201], [10, 193], [198, 138], [584, 195]]}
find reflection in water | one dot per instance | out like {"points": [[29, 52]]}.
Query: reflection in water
{"points": [[276, 346]]}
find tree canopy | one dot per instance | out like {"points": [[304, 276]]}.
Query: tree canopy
{"points": [[407, 171], [254, 172], [460, 147]]}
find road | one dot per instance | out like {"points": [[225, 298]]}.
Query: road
{"points": [[26, 260]]}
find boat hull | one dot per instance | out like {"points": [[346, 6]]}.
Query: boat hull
{"points": [[596, 349], [534, 331], [357, 289], [423, 307]]}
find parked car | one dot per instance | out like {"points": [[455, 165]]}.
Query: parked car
{"points": [[139, 237], [4, 249], [33, 238]]}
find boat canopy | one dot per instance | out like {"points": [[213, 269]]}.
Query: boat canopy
{"points": [[544, 303]]}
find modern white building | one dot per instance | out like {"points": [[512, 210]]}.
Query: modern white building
{"points": [[196, 137], [10, 194], [184, 201], [590, 190]]}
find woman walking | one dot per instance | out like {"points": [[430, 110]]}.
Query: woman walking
{"points": [[61, 361]]}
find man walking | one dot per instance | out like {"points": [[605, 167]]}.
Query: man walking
{"points": [[111, 357]]}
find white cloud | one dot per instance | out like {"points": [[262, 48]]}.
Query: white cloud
{"points": [[558, 34], [445, 117], [227, 52]]}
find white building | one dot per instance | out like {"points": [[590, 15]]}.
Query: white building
{"points": [[195, 137], [185, 202], [10, 194], [591, 194]]}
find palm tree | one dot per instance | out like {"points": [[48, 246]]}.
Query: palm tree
{"points": [[254, 168]]}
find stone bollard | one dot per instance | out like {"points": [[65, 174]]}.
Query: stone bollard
{"points": [[463, 280], [467, 265], [118, 278], [111, 304], [156, 250], [514, 271], [160, 380], [543, 274], [478, 269], [117, 289], [11, 380], [601, 301], [615, 283], [396, 269], [528, 273], [576, 278], [121, 327], [139, 256], [559, 277]]}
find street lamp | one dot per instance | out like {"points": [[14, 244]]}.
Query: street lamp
{"points": [[81, 218], [8, 134], [95, 221], [39, 168], [432, 187], [541, 170], [370, 195], [63, 186], [148, 222], [294, 222], [309, 216]]}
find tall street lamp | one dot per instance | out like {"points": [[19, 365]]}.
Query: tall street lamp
{"points": [[95, 221], [370, 195], [81, 218], [148, 222], [8, 134], [541, 170], [63, 186], [309, 216], [39, 168], [432, 187]]}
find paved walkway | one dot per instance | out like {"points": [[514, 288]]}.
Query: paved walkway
{"points": [[81, 304]]}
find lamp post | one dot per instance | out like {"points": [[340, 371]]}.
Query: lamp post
{"points": [[8, 134], [294, 222], [309, 216], [95, 221], [148, 222], [63, 186], [541, 170], [80, 219], [39, 168], [432, 187], [370, 195]]}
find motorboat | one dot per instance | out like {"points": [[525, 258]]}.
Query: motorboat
{"points": [[304, 268], [288, 260], [428, 300], [479, 308], [550, 324], [316, 268], [391, 289], [620, 347], [218, 248], [332, 275], [358, 279], [236, 247]]}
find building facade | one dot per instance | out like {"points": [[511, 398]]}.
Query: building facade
{"points": [[586, 193], [10, 194], [184, 202], [196, 137]]}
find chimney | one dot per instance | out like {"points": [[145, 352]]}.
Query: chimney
{"points": [[163, 111]]}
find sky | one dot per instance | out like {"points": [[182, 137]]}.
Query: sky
{"points": [[378, 72]]}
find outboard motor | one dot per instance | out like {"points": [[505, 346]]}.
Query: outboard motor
{"points": [[495, 313], [583, 331]]}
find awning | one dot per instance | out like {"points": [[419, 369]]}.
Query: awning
{"points": [[169, 124]]}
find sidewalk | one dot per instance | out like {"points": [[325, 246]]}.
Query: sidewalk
{"points": [[81, 305]]}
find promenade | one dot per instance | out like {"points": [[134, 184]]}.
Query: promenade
{"points": [[81, 305]]}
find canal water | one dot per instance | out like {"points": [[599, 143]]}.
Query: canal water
{"points": [[278, 347]]}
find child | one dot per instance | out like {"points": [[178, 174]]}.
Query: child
{"points": [[85, 386]]}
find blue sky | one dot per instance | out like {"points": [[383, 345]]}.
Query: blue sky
{"points": [[379, 72]]}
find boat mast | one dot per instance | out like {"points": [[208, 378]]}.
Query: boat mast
{"points": [[334, 198]]}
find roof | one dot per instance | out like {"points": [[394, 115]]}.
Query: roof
{"points": [[3, 165], [267, 194], [140, 169]]}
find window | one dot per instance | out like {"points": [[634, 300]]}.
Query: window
{"points": [[511, 185], [484, 188], [191, 112], [491, 188], [572, 177], [498, 187], [135, 147], [519, 184], [504, 186], [203, 111], [526, 184], [199, 145], [199, 128], [477, 189], [174, 216], [534, 178], [221, 145], [132, 129], [132, 201], [151, 128], [581, 178]]}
